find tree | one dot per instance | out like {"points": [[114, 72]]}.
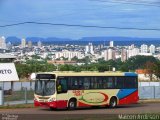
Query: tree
{"points": [[85, 60], [63, 58], [75, 58], [149, 66], [35, 57], [101, 60], [137, 62], [156, 69]]}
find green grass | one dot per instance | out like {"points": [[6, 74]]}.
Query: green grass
{"points": [[17, 106], [149, 101], [93, 117], [19, 95]]}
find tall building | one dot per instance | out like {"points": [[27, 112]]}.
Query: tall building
{"points": [[69, 54], [89, 49], [29, 44], [23, 43], [132, 46], [2, 42], [132, 52], [152, 49], [144, 48], [109, 54], [9, 46], [123, 55], [111, 44], [39, 44]]}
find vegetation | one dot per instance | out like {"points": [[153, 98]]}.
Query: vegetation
{"points": [[31, 66], [17, 106], [19, 95], [151, 64]]}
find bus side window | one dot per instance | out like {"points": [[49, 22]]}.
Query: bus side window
{"points": [[119, 82], [130, 82], [105, 83], [86, 83], [80, 81], [110, 82], [100, 82], [62, 85], [73, 83], [94, 83]]}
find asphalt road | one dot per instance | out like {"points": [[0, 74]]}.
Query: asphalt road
{"points": [[83, 112]]}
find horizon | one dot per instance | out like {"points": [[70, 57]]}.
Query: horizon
{"points": [[83, 37], [119, 41]]}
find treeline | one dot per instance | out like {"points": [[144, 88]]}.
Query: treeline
{"points": [[137, 62]]}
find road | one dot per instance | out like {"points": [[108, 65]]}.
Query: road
{"points": [[126, 109]]}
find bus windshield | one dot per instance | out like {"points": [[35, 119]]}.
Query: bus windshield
{"points": [[44, 87]]}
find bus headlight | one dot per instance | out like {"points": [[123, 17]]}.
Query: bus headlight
{"points": [[51, 99]]}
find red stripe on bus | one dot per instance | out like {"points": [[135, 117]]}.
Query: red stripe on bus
{"points": [[132, 98], [54, 104]]}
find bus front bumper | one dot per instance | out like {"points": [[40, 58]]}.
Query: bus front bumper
{"points": [[52, 104]]}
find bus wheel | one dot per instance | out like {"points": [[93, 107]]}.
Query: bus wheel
{"points": [[72, 104], [113, 102]]}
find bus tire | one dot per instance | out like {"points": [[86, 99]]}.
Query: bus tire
{"points": [[72, 104], [113, 102]]}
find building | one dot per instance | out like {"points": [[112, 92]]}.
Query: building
{"points": [[29, 44], [89, 49], [132, 52], [39, 44], [111, 44], [109, 54], [69, 54], [7, 58], [9, 46], [132, 46], [2, 42], [61, 62], [144, 48], [152, 49], [23, 43], [123, 55]]}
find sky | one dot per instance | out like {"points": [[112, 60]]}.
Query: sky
{"points": [[113, 13]]}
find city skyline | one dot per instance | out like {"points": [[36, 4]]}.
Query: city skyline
{"points": [[25, 50], [89, 12]]}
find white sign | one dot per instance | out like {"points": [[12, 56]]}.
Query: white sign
{"points": [[8, 72]]}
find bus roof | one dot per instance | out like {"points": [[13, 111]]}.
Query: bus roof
{"points": [[90, 73]]}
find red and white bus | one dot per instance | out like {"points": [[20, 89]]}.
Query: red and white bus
{"points": [[82, 89]]}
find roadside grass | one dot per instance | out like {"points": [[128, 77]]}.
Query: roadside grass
{"points": [[141, 116], [19, 95], [94, 117], [149, 101], [17, 106]]}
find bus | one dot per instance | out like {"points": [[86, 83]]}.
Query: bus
{"points": [[85, 89]]}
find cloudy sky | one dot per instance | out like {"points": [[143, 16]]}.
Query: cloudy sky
{"points": [[111, 13]]}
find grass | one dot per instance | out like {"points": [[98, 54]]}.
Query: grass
{"points": [[17, 106], [19, 95], [149, 101]]}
